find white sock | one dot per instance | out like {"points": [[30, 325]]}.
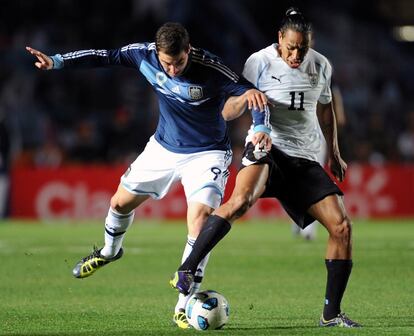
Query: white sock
{"points": [[116, 225], [198, 277]]}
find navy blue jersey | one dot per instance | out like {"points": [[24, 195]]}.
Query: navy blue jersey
{"points": [[190, 104]]}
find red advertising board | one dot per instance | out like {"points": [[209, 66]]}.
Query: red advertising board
{"points": [[85, 191]]}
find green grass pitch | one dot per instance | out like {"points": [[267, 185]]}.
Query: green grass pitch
{"points": [[273, 281]]}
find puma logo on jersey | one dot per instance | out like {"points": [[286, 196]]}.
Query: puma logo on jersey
{"points": [[278, 79]]}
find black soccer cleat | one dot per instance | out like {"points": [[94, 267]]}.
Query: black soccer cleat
{"points": [[341, 321], [90, 264]]}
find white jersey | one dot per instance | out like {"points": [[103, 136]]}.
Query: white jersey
{"points": [[294, 94]]}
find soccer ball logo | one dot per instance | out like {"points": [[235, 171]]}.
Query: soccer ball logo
{"points": [[207, 310]]}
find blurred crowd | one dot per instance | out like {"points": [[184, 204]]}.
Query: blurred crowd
{"points": [[106, 115]]}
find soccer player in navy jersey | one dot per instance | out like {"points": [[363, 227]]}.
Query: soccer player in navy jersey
{"points": [[191, 142], [296, 79]]}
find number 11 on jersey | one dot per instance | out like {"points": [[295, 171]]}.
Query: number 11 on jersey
{"points": [[292, 101]]}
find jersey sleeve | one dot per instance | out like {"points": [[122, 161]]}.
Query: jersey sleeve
{"points": [[230, 83], [233, 88], [261, 120], [234, 85], [326, 93], [253, 68], [129, 56]]}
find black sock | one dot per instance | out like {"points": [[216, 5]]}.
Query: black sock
{"points": [[338, 275], [213, 231]]}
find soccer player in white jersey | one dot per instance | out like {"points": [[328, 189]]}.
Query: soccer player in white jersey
{"points": [[191, 142], [296, 80]]}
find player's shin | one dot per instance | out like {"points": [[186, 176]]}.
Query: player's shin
{"points": [[116, 225], [198, 278], [337, 279], [182, 299], [213, 231]]}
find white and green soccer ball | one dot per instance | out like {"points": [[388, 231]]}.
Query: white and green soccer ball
{"points": [[207, 310]]}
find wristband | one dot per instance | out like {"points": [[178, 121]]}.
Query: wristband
{"points": [[261, 128], [57, 61]]}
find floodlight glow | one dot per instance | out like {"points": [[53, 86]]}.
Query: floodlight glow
{"points": [[404, 33]]}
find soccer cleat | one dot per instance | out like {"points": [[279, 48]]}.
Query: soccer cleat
{"points": [[182, 281], [308, 233], [180, 319], [341, 321], [90, 264]]}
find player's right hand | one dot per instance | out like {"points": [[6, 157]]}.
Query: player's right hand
{"points": [[255, 99], [44, 61], [338, 166]]}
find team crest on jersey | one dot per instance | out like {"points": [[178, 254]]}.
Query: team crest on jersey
{"points": [[313, 79], [195, 92], [161, 78]]}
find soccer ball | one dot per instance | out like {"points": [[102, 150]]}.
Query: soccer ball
{"points": [[207, 310]]}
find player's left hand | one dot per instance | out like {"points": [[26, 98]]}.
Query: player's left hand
{"points": [[338, 166], [255, 99]]}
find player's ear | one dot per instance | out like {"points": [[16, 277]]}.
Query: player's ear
{"points": [[279, 36], [188, 49]]}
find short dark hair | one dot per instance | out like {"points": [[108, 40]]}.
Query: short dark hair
{"points": [[172, 38], [294, 20]]}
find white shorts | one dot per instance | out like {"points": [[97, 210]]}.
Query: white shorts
{"points": [[203, 175]]}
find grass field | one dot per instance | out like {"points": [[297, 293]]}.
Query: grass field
{"points": [[273, 282]]}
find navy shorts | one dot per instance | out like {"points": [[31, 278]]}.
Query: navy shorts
{"points": [[297, 183]]}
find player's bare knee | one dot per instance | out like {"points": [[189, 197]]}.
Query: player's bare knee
{"points": [[342, 230], [118, 206]]}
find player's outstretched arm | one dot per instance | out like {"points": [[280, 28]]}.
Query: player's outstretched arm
{"points": [[44, 61]]}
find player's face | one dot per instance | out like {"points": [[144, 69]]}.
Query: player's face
{"points": [[293, 47], [174, 65]]}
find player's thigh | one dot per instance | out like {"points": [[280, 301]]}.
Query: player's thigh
{"points": [[251, 181], [152, 173], [250, 185], [204, 177], [330, 211]]}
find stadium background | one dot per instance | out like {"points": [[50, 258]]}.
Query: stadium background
{"points": [[72, 133]]}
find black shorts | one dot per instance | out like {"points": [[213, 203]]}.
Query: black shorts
{"points": [[296, 182]]}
